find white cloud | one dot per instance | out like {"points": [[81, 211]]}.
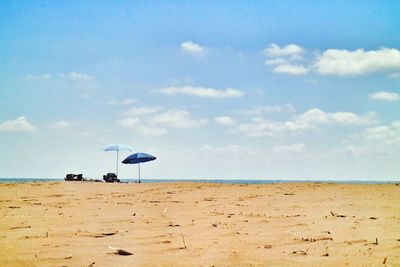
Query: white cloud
{"points": [[386, 134], [202, 92], [156, 121], [193, 48], [283, 58], [349, 118], [259, 110], [345, 62], [39, 77], [61, 125], [277, 51], [313, 117], [378, 140], [260, 128], [141, 111], [309, 120], [150, 130], [290, 69], [293, 148], [296, 57], [141, 128], [77, 76], [385, 96], [224, 120], [129, 122], [275, 61], [20, 124], [176, 119]]}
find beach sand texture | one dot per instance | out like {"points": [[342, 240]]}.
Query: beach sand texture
{"points": [[199, 224]]}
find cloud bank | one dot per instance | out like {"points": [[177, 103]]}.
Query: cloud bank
{"points": [[340, 62], [309, 120], [345, 62]]}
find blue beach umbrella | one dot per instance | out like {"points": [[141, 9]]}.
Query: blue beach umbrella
{"points": [[118, 147], [138, 158]]}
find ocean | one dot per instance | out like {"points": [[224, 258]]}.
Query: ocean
{"points": [[31, 180]]}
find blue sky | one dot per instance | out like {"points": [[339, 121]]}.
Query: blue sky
{"points": [[260, 90]]}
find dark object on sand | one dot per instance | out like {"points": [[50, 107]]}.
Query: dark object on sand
{"points": [[111, 178], [337, 215], [73, 177], [122, 252], [299, 252], [92, 180]]}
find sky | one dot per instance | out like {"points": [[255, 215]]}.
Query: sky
{"points": [[214, 89]]}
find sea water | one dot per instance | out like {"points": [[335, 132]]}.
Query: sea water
{"points": [[241, 181]]}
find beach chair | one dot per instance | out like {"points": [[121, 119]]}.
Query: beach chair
{"points": [[111, 178], [73, 177]]}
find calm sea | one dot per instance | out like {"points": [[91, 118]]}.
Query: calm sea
{"points": [[30, 180]]}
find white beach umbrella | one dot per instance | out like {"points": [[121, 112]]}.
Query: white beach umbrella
{"points": [[118, 147]]}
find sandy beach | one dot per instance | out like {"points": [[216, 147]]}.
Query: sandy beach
{"points": [[199, 224]]}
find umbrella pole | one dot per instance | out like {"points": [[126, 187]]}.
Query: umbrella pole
{"points": [[117, 163], [139, 171]]}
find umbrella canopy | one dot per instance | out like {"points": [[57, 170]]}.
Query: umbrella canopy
{"points": [[138, 158], [118, 147]]}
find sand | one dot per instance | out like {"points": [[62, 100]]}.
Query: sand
{"points": [[199, 224]]}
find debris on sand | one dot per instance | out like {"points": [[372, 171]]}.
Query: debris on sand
{"points": [[104, 234], [119, 251], [299, 252], [337, 215], [326, 252], [20, 227], [97, 235], [356, 241], [184, 243], [317, 239]]}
